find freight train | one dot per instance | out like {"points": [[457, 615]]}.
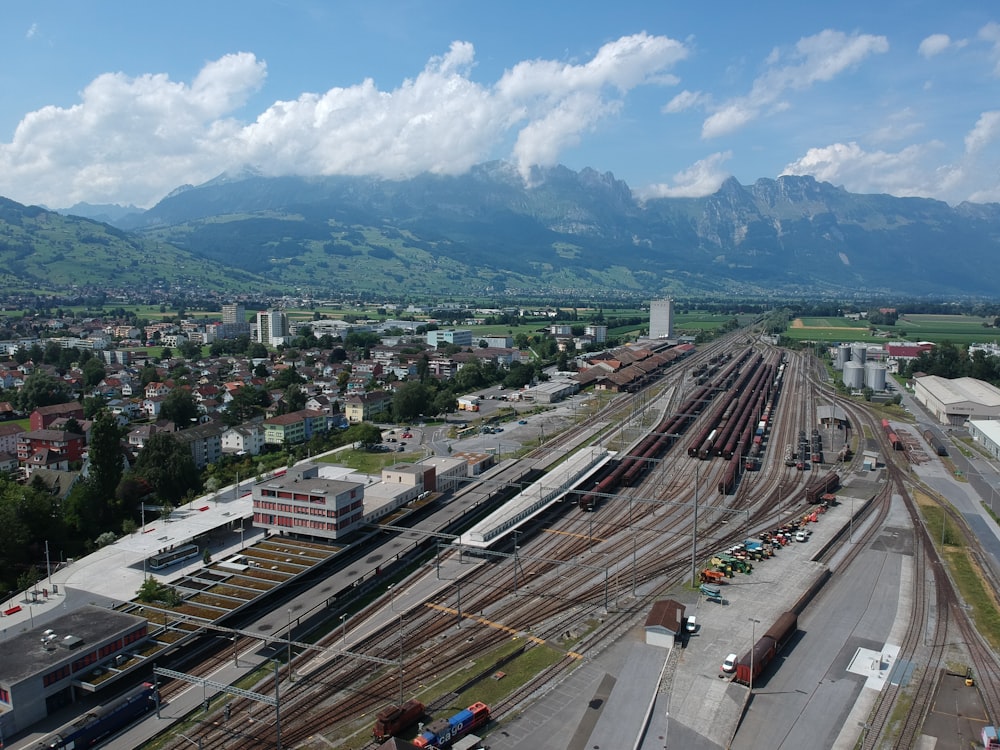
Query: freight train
{"points": [[105, 720], [394, 719], [754, 662], [440, 733]]}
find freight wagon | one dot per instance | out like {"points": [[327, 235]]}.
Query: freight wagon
{"points": [[815, 491], [394, 719], [103, 720], [936, 445], [754, 662]]}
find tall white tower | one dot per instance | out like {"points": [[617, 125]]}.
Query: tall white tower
{"points": [[661, 319], [272, 327]]}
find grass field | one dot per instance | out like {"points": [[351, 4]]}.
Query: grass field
{"points": [[958, 329]]}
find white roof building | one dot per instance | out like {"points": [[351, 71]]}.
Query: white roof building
{"points": [[953, 402]]}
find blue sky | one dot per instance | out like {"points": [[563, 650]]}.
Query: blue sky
{"points": [[121, 102]]}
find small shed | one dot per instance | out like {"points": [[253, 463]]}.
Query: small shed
{"points": [[664, 623]]}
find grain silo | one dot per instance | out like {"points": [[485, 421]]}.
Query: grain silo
{"points": [[875, 376], [841, 355], [854, 374], [859, 353]]}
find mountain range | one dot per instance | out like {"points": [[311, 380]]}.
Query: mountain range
{"points": [[487, 232]]}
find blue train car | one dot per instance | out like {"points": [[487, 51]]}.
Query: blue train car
{"points": [[104, 720]]}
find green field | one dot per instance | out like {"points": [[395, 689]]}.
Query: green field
{"points": [[958, 329]]}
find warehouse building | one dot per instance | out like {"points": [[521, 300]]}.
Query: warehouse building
{"points": [[953, 402], [986, 432]]}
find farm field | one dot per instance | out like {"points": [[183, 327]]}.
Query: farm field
{"points": [[958, 329]]}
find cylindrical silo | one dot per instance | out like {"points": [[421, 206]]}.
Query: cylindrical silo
{"points": [[854, 374], [875, 376], [859, 353], [842, 355]]}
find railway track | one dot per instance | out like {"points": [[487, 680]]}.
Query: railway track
{"points": [[602, 566]]}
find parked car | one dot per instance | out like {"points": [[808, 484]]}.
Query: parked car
{"points": [[801, 536], [690, 624], [522, 421], [729, 664]]}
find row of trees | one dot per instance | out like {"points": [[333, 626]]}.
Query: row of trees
{"points": [[949, 360]]}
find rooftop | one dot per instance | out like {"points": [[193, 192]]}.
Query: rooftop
{"points": [[24, 654]]}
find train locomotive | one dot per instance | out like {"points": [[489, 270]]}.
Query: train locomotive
{"points": [[395, 719], [94, 726], [440, 733]]}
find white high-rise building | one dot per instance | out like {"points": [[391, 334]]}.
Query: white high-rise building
{"points": [[272, 327], [661, 319]]}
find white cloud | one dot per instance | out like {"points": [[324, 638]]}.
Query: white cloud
{"points": [[32, 31], [933, 45], [686, 100], [899, 126], [131, 140], [991, 33], [815, 59], [985, 132], [908, 172], [702, 178]]}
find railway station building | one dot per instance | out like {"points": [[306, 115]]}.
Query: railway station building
{"points": [[303, 502], [953, 402], [46, 668]]}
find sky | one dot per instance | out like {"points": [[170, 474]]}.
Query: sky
{"points": [[105, 101]]}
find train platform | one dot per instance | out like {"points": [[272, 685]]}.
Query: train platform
{"points": [[115, 572]]}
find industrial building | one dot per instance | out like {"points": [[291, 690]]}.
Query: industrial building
{"points": [[986, 432], [953, 402], [457, 337], [661, 319]]}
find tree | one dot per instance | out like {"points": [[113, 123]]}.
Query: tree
{"points": [[168, 467], [41, 389], [368, 435], [106, 460], [152, 591], [410, 401], [180, 408], [93, 371], [247, 402], [92, 405], [189, 350], [295, 398]]}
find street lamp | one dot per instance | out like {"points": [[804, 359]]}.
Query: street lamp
{"points": [[753, 643], [290, 677]]}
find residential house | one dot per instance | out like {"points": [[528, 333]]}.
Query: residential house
{"points": [[360, 407], [44, 416], [8, 463], [156, 389], [295, 427], [8, 437], [244, 439], [204, 441], [50, 449]]}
